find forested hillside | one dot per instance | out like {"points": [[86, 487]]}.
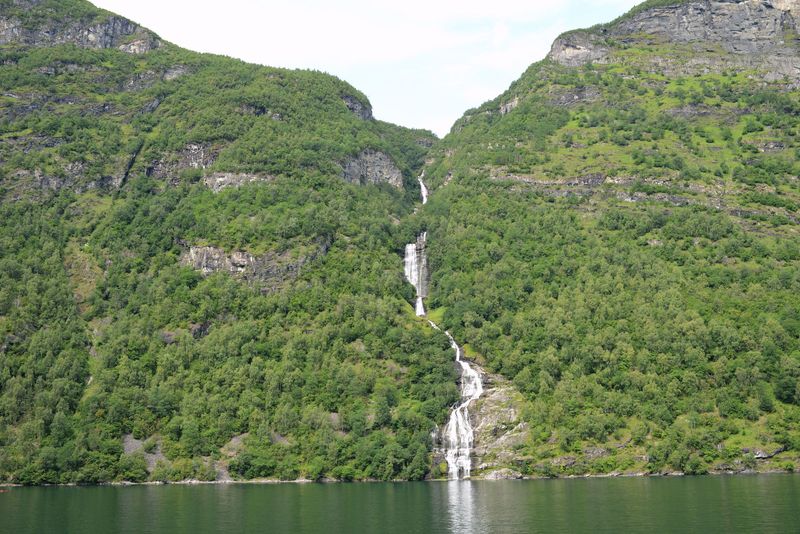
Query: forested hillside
{"points": [[199, 276], [618, 234], [201, 272]]}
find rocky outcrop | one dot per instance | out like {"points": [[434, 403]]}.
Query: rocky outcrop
{"points": [[749, 34], [566, 97], [372, 167], [152, 455], [578, 48], [218, 181], [268, 271], [361, 110], [509, 106], [193, 156], [499, 430], [740, 27], [110, 32]]}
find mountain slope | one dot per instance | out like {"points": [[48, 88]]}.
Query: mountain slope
{"points": [[617, 234], [86, 108], [190, 249]]}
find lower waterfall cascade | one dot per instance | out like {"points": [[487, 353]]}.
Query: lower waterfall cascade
{"points": [[458, 435]]}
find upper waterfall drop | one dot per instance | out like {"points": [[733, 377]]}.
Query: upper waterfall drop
{"points": [[416, 261], [416, 270]]}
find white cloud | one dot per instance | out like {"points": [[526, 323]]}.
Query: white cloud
{"points": [[422, 63]]}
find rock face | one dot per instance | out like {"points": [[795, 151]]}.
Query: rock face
{"points": [[509, 106], [741, 27], [111, 32], [759, 34], [193, 156], [372, 167], [218, 181], [131, 445], [499, 431], [361, 110], [577, 48], [268, 271]]}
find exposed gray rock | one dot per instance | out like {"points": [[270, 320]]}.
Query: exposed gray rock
{"points": [[564, 97], [749, 34], [372, 167], [739, 26], [503, 474], [112, 32], [509, 106], [131, 445], [578, 48], [259, 110], [268, 271], [761, 454], [175, 72], [361, 110], [220, 180], [228, 452], [593, 453], [499, 430], [193, 156], [141, 81], [590, 180], [658, 197]]}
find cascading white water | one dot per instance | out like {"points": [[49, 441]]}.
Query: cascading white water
{"points": [[416, 269], [422, 188], [458, 434]]}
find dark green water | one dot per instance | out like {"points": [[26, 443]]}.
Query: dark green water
{"points": [[759, 504]]}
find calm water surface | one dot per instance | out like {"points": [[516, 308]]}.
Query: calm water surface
{"points": [[758, 504]]}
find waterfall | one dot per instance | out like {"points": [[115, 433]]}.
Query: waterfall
{"points": [[458, 436], [458, 433], [416, 270], [422, 188]]}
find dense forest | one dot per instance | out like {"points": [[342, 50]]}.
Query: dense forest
{"points": [[618, 242], [107, 334]]}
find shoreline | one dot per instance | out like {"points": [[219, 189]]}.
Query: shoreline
{"points": [[268, 481]]}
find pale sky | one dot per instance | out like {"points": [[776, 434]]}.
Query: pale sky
{"points": [[422, 63]]}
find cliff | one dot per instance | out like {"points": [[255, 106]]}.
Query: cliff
{"points": [[50, 23], [761, 35]]}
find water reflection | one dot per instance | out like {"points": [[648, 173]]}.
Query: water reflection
{"points": [[461, 506], [763, 504]]}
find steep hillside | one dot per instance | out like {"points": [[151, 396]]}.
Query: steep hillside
{"points": [[617, 234], [90, 99], [198, 276]]}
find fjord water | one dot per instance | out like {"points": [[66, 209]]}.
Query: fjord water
{"points": [[764, 504]]}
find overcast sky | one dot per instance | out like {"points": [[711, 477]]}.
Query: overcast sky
{"points": [[422, 63]]}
